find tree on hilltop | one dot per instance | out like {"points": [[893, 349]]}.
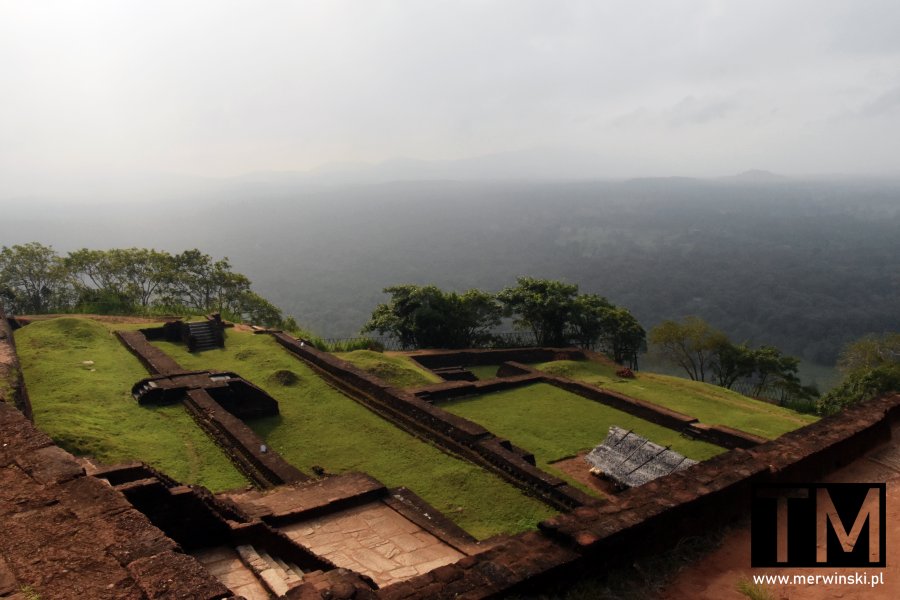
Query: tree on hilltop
{"points": [[428, 317], [33, 279], [691, 344], [871, 367], [701, 350], [622, 337], [130, 276], [542, 306]]}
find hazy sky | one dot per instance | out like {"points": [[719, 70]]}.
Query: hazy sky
{"points": [[219, 88]]}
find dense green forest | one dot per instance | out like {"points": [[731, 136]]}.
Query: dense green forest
{"points": [[35, 279], [806, 266]]}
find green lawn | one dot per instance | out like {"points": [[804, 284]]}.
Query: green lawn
{"points": [[398, 371], [88, 409], [553, 423], [320, 426], [711, 404]]}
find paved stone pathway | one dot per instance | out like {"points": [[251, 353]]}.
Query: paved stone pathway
{"points": [[375, 540]]}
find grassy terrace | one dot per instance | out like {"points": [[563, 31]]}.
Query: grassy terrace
{"points": [[320, 426], [484, 372], [711, 404], [554, 423], [79, 379], [398, 371]]}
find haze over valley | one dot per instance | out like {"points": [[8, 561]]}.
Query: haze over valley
{"points": [[807, 265]]}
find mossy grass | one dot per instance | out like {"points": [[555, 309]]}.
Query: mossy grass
{"points": [[320, 426], [396, 370], [712, 404], [79, 379]]}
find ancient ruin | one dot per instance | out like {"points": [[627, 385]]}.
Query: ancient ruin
{"points": [[71, 528]]}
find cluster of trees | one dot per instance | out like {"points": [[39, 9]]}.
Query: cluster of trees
{"points": [[552, 311], [871, 367], [36, 279], [706, 354], [428, 317]]}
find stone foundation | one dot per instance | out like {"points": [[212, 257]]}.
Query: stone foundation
{"points": [[65, 535], [456, 434]]}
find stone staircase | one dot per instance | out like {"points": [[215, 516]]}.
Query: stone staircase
{"points": [[204, 335], [250, 572], [277, 575]]}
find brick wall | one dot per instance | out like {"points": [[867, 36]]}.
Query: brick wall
{"points": [[12, 384]]}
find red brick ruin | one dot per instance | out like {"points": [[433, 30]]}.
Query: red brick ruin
{"points": [[129, 531]]}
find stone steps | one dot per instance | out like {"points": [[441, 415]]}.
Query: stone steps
{"points": [[277, 575], [204, 334]]}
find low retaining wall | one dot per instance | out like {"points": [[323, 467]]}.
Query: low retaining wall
{"points": [[652, 518], [414, 508], [454, 433], [12, 384], [436, 359], [289, 504], [460, 389], [240, 443], [514, 374], [645, 410], [154, 360], [724, 436], [714, 434]]}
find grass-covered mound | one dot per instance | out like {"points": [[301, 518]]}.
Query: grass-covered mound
{"points": [[320, 426], [284, 377], [398, 371], [711, 404], [79, 379], [554, 423]]}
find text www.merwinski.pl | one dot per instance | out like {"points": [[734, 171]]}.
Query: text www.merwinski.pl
{"points": [[864, 578]]}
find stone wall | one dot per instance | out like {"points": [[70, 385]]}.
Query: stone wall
{"points": [[515, 374], [12, 384], [448, 390], [154, 360], [715, 434], [436, 359], [262, 465]]}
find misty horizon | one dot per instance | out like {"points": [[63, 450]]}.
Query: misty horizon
{"points": [[99, 92]]}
